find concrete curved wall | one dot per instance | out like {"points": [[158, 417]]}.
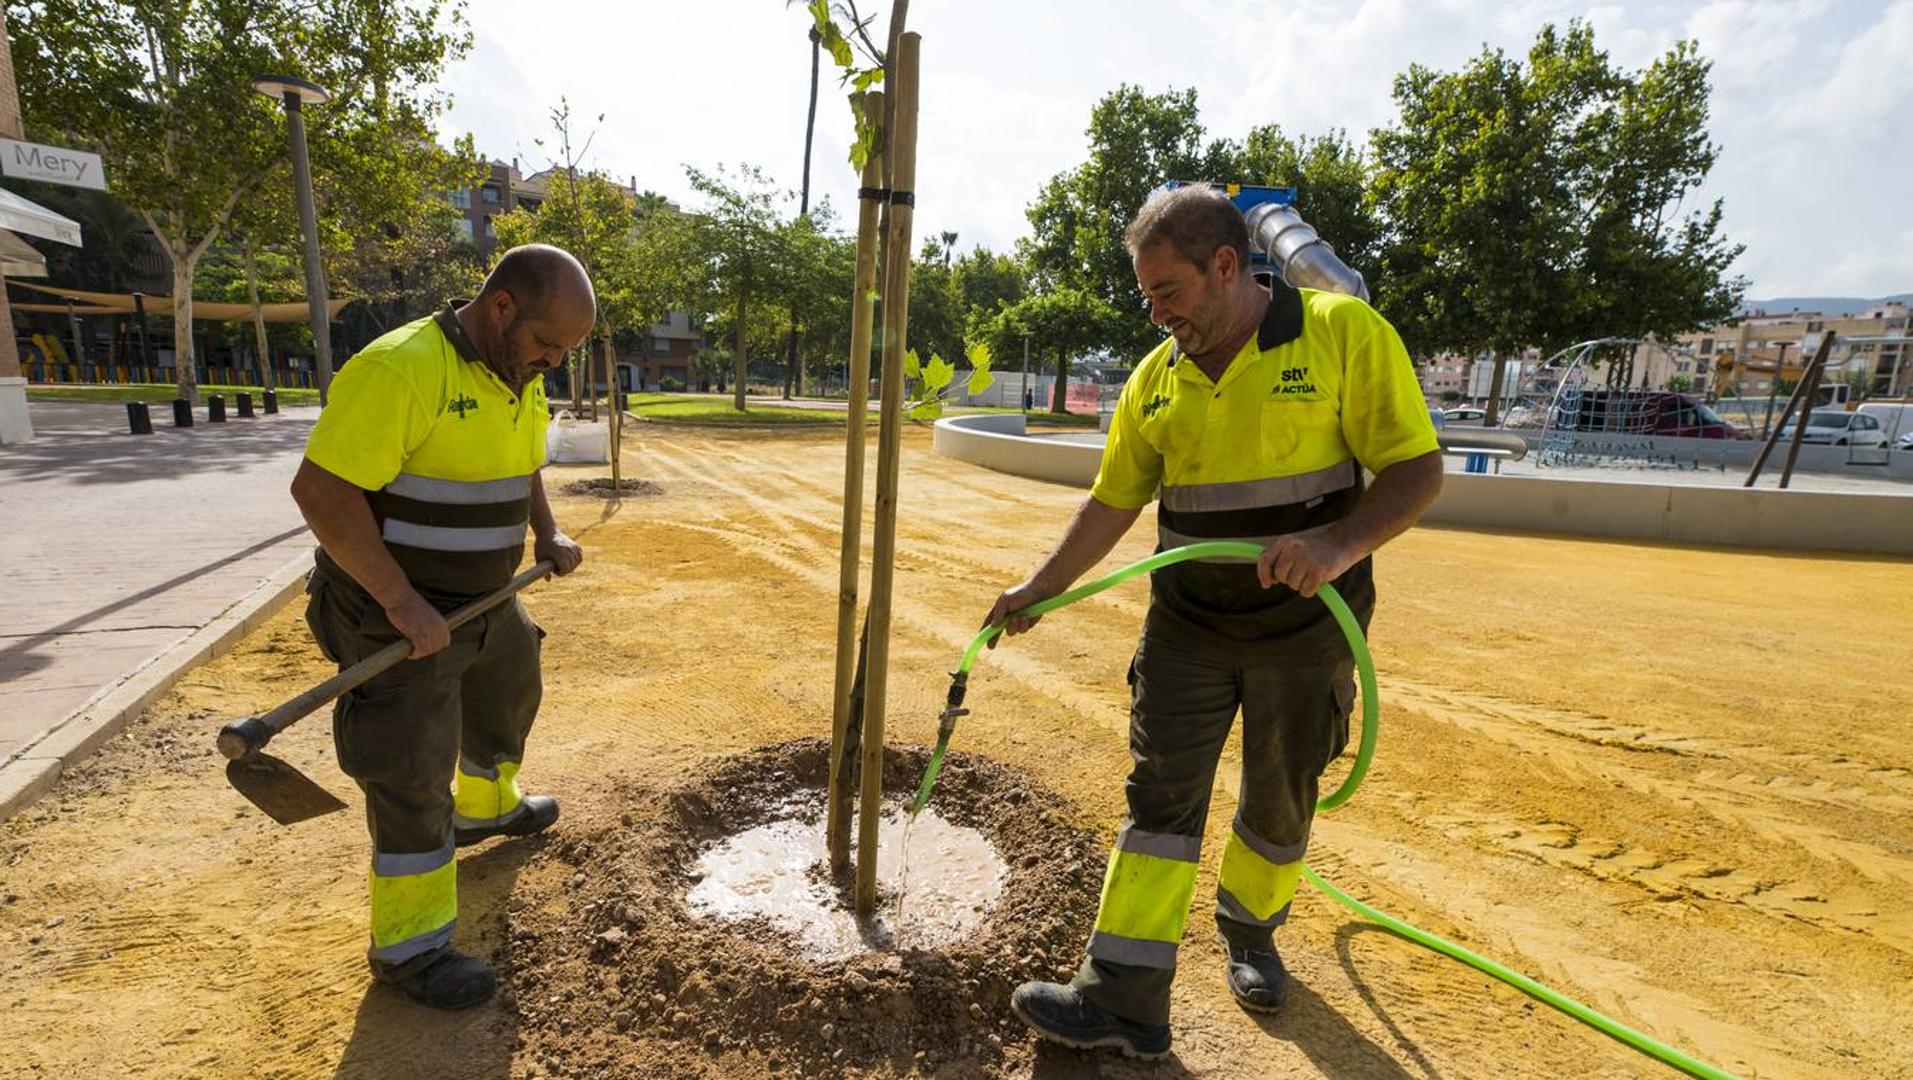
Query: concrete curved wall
{"points": [[1680, 513], [997, 441]]}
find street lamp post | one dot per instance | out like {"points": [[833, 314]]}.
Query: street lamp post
{"points": [[1026, 372], [296, 94]]}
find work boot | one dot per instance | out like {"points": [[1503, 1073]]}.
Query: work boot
{"points": [[1257, 979], [535, 814], [441, 979], [1062, 1014]]}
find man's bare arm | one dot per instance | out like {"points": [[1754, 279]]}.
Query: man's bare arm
{"points": [[1091, 535]]}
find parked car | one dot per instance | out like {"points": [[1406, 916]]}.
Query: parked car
{"points": [[1833, 427], [1643, 412], [1463, 414]]}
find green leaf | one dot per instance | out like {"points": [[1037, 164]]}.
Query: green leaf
{"points": [[980, 380], [834, 43], [912, 367], [929, 410], [979, 356], [867, 78], [938, 374]]}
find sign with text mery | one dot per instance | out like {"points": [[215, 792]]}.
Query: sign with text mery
{"points": [[51, 164]]}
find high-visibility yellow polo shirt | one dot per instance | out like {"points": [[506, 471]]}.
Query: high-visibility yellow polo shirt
{"points": [[445, 449], [1277, 445]]}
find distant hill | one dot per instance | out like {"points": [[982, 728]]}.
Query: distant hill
{"points": [[1826, 305]]}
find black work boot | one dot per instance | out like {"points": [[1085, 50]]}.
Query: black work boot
{"points": [[442, 979], [534, 814], [1257, 979], [1062, 1014]]}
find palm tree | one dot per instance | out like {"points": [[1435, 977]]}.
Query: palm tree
{"points": [[949, 246], [793, 371]]}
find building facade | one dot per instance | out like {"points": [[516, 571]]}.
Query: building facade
{"points": [[1871, 355]]}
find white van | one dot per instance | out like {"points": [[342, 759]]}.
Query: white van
{"points": [[1896, 418]]}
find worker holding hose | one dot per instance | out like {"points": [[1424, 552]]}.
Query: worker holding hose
{"points": [[419, 481], [1254, 421]]}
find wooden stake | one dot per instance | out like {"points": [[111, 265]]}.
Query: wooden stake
{"points": [[862, 309], [901, 144], [1802, 397], [614, 427]]}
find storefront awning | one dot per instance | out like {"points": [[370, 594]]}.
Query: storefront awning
{"points": [[211, 310], [18, 258], [26, 216]]}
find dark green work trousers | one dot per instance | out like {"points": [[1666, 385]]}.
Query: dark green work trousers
{"points": [[1184, 699], [402, 735]]}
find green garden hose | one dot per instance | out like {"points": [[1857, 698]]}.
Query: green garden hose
{"points": [[1371, 711]]}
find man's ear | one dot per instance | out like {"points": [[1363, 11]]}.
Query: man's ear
{"points": [[1225, 265], [504, 306]]}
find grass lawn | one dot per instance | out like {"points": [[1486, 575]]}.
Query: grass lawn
{"points": [[716, 409], [159, 393]]}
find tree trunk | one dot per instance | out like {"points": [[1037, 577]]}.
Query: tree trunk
{"points": [[1059, 394], [258, 322], [183, 329], [740, 363], [1493, 413], [615, 415], [790, 361], [795, 374], [578, 366]]}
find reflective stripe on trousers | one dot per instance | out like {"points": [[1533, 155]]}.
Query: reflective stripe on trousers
{"points": [[486, 795], [1258, 878], [1146, 894], [414, 903]]}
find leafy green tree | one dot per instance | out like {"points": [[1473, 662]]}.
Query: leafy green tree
{"points": [[985, 283], [1330, 177], [164, 93], [1540, 203], [1137, 141], [936, 310], [738, 235], [1062, 324]]}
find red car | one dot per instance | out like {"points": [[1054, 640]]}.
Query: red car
{"points": [[1643, 412]]}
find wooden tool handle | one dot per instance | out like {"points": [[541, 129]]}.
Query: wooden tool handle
{"points": [[244, 738]]}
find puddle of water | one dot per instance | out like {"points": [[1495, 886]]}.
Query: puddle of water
{"points": [[767, 872]]}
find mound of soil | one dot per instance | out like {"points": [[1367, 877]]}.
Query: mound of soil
{"points": [[614, 976], [602, 487]]}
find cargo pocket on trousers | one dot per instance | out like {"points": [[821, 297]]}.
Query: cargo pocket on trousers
{"points": [[1344, 698], [371, 737], [316, 616]]}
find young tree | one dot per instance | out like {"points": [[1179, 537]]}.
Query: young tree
{"points": [[164, 93]]}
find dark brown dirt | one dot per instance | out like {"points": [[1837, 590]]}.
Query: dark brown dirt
{"points": [[613, 976], [602, 487]]}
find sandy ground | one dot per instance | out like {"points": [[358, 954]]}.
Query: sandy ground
{"points": [[1674, 783]]}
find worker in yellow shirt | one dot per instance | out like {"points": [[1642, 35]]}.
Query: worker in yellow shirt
{"points": [[1254, 421], [420, 480]]}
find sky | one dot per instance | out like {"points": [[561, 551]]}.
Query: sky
{"points": [[1812, 103]]}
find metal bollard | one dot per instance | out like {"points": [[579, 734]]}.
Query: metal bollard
{"points": [[271, 400], [182, 413], [245, 405], [215, 409], [139, 419]]}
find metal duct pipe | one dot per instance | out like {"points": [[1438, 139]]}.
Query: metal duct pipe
{"points": [[1302, 257]]}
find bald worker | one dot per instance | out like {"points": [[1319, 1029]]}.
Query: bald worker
{"points": [[419, 481]]}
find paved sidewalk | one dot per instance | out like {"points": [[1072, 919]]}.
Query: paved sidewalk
{"points": [[116, 548]]}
